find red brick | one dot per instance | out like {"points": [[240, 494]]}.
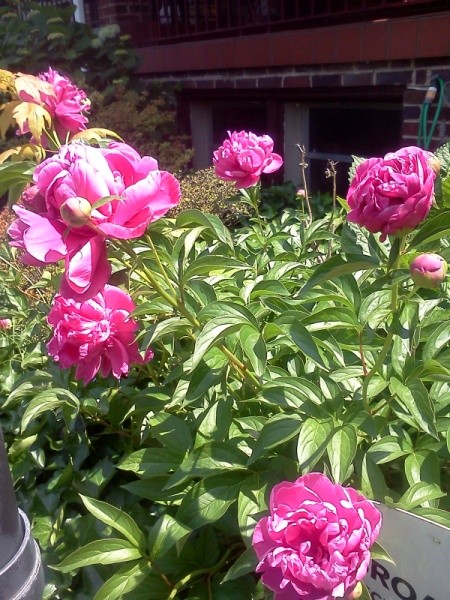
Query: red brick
{"points": [[296, 81], [374, 38], [402, 38]]}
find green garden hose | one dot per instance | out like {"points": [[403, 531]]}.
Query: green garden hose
{"points": [[425, 135]]}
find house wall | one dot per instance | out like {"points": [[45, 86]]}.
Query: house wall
{"points": [[289, 75]]}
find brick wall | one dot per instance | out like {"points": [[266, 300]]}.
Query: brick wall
{"points": [[133, 16], [405, 80]]}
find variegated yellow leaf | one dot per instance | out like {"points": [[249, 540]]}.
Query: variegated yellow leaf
{"points": [[27, 152], [33, 117], [7, 81], [95, 134], [7, 119], [32, 87]]}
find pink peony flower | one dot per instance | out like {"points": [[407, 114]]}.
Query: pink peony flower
{"points": [[62, 99], [109, 192], [5, 323], [315, 544], [244, 157], [96, 335], [392, 195], [67, 105], [428, 270]]}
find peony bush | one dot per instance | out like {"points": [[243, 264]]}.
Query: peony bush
{"points": [[193, 412]]}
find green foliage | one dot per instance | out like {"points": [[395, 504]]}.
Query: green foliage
{"points": [[203, 191], [34, 37], [150, 124], [281, 347]]}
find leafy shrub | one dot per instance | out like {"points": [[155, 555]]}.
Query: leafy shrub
{"points": [[203, 191], [282, 347], [34, 37], [149, 125]]}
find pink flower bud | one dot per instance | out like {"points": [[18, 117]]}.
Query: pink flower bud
{"points": [[76, 212], [5, 324], [428, 270]]}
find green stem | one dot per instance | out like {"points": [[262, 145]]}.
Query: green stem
{"points": [[160, 265], [211, 571], [393, 263], [181, 308]]}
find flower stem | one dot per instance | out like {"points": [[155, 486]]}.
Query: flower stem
{"points": [[211, 571], [159, 263], [178, 305], [395, 254]]}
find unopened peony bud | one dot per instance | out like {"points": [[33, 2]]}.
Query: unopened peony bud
{"points": [[76, 212], [5, 324], [428, 270]]}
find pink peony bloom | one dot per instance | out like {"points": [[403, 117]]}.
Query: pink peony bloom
{"points": [[82, 196], [62, 99], [392, 195], [96, 335], [428, 270], [5, 324], [315, 545], [244, 157]]}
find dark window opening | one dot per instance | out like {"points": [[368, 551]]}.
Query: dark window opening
{"points": [[338, 133]]}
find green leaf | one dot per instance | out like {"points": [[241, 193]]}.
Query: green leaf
{"points": [[418, 494], [387, 449], [337, 266], [151, 462], [341, 451], [434, 228], [437, 515], [216, 422], [301, 338], [312, 442], [210, 459], [295, 392], [213, 333], [115, 518], [125, 580], [51, 400], [166, 532], [251, 506], [209, 221], [100, 552], [171, 431], [246, 563], [377, 552], [277, 430], [208, 500], [437, 340], [213, 265], [414, 398], [254, 348]]}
